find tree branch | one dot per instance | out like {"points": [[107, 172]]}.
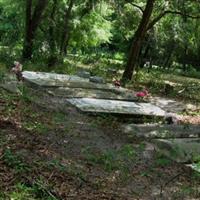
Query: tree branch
{"points": [[135, 5], [161, 15]]}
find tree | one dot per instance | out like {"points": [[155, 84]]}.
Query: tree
{"points": [[66, 30], [33, 19], [146, 24], [137, 41], [52, 42]]}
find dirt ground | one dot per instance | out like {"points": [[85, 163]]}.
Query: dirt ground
{"points": [[74, 156]]}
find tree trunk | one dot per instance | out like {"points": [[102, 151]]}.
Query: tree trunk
{"points": [[32, 22], [170, 52], [66, 30], [52, 43], [137, 42], [28, 43], [144, 51], [184, 62]]}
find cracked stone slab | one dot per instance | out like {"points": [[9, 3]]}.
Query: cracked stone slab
{"points": [[152, 131], [50, 79], [43, 79], [116, 107], [77, 87], [66, 92]]}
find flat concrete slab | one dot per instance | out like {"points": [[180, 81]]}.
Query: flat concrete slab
{"points": [[76, 87], [43, 79], [50, 79], [12, 86], [163, 131], [66, 92], [116, 107]]}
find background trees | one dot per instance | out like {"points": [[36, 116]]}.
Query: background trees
{"points": [[163, 33], [33, 18]]}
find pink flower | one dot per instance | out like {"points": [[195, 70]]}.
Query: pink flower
{"points": [[142, 93], [117, 83]]}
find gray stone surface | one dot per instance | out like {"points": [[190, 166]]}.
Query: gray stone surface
{"points": [[12, 86], [194, 166], [117, 107], [51, 79], [97, 79], [66, 92], [181, 150], [162, 130], [83, 74]]}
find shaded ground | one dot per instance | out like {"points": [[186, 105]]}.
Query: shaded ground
{"points": [[49, 155]]}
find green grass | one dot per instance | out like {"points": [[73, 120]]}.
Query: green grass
{"points": [[111, 160], [185, 88], [37, 191], [14, 161]]}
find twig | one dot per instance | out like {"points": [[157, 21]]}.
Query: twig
{"points": [[169, 181]]}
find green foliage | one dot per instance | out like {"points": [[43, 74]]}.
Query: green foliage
{"points": [[162, 161], [36, 192], [113, 159], [14, 161], [94, 30], [108, 26]]}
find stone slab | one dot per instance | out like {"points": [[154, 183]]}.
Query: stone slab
{"points": [[66, 92], [97, 79], [83, 74], [12, 86], [152, 131], [54, 81], [194, 166], [43, 79], [51, 79], [180, 150], [116, 107]]}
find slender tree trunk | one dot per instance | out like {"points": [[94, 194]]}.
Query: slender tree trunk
{"points": [[66, 29], [52, 43], [144, 52], [167, 62], [33, 19], [137, 42], [185, 58], [28, 43]]}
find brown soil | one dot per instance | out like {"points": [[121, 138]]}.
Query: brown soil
{"points": [[63, 157]]}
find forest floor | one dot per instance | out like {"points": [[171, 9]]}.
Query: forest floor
{"points": [[46, 155]]}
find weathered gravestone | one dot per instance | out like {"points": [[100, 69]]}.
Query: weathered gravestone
{"points": [[67, 92], [65, 86], [51, 79], [12, 86], [164, 131], [10, 83], [116, 107], [73, 86]]}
